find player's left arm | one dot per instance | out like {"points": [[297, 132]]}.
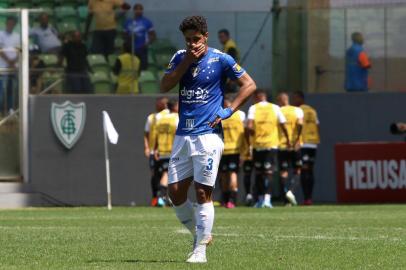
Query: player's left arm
{"points": [[247, 88], [363, 60], [282, 124], [156, 152]]}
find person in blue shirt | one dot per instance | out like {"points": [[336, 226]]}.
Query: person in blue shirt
{"points": [[201, 72], [357, 65], [141, 30]]}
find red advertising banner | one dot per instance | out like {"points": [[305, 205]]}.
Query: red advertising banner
{"points": [[371, 172]]}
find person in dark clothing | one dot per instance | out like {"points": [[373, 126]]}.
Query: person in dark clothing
{"points": [[77, 67]]}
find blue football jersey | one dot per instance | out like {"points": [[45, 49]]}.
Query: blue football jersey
{"points": [[201, 90]]}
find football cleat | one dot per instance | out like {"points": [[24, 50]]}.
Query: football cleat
{"points": [[161, 202], [291, 197], [197, 256], [308, 202], [259, 204], [249, 200], [154, 201], [267, 205], [230, 205]]}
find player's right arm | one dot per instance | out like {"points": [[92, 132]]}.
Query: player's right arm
{"points": [[250, 122], [178, 66], [147, 151], [282, 124], [299, 123]]}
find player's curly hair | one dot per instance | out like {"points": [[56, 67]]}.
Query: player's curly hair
{"points": [[197, 23]]}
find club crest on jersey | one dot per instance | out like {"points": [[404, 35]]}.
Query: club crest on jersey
{"points": [[195, 71]]}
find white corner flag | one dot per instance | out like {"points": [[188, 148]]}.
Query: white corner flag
{"points": [[109, 128], [109, 132]]}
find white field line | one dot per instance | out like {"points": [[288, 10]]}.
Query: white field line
{"points": [[309, 237]]}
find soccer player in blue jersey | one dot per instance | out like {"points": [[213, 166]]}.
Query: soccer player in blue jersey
{"points": [[201, 72]]}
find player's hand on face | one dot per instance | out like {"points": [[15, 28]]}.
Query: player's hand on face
{"points": [[194, 52]]}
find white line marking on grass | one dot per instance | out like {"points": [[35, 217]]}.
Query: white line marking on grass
{"points": [[309, 237]]}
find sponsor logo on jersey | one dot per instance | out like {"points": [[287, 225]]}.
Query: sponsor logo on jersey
{"points": [[213, 59], [198, 95]]}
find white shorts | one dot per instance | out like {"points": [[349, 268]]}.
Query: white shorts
{"points": [[197, 157]]}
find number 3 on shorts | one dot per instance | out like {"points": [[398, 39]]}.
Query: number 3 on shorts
{"points": [[209, 166]]}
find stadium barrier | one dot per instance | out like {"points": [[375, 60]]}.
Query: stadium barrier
{"points": [[76, 175]]}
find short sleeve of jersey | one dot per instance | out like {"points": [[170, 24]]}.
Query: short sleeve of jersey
{"points": [[231, 68], [242, 116], [251, 113], [174, 62], [148, 124], [279, 114], [299, 113]]}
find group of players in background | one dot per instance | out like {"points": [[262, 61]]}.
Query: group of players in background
{"points": [[273, 142]]}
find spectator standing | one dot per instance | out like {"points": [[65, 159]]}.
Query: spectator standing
{"points": [[229, 45], [141, 30], [357, 65], [77, 67], [9, 46], [37, 67], [230, 48], [105, 30], [46, 36], [127, 68]]}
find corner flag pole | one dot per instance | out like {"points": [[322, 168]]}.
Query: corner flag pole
{"points": [[106, 155], [111, 134]]}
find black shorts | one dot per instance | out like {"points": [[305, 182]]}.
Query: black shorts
{"points": [[162, 165], [289, 159], [308, 155], [230, 163], [248, 166], [151, 162], [264, 160]]}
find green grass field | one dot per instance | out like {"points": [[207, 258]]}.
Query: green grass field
{"points": [[319, 237]]}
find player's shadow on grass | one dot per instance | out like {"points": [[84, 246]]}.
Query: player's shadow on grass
{"points": [[135, 261]]}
